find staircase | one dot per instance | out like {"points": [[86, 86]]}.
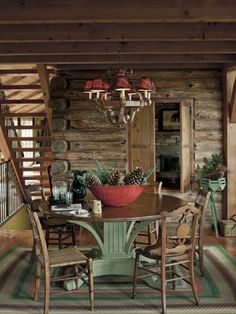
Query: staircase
{"points": [[25, 126]]}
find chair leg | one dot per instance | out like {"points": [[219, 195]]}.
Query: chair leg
{"points": [[37, 280], [46, 290], [192, 280], [90, 281], [33, 253], [47, 235], [136, 263], [163, 288], [173, 270], [73, 235], [60, 239], [201, 258], [156, 229]]}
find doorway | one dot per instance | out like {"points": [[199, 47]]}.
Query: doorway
{"points": [[174, 168]]}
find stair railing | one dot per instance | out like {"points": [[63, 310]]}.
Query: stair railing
{"points": [[10, 195]]}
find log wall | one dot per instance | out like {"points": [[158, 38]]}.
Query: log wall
{"points": [[90, 137]]}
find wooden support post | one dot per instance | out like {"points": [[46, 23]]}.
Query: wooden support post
{"points": [[44, 80], [229, 130]]}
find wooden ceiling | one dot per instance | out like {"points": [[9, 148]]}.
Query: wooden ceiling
{"points": [[148, 34], [90, 35]]}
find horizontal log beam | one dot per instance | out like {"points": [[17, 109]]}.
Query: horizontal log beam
{"points": [[65, 11], [126, 59], [154, 66], [142, 47], [117, 32]]}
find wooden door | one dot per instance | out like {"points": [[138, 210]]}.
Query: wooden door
{"points": [[141, 140]]}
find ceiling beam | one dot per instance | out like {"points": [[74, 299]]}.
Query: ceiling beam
{"points": [[117, 32], [126, 59], [73, 48], [109, 11]]}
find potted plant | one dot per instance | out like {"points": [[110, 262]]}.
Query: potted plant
{"points": [[211, 177], [211, 174], [114, 188]]}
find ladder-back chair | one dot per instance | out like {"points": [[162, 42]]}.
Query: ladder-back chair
{"points": [[171, 254], [201, 202], [57, 231], [150, 234], [49, 260]]}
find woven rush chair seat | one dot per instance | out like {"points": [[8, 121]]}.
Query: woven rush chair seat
{"points": [[47, 261], [171, 258], [68, 256]]}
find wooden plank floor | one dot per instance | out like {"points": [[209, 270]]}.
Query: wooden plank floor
{"points": [[10, 238]]}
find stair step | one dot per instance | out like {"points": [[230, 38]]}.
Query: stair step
{"points": [[24, 114], [21, 101], [33, 169], [35, 177], [25, 127], [33, 138], [20, 87], [34, 159], [31, 149]]}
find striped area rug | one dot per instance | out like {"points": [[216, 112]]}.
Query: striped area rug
{"points": [[217, 290]]}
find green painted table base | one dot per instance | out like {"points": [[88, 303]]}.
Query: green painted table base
{"points": [[115, 242]]}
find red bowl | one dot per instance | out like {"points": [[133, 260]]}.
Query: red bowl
{"points": [[117, 195]]}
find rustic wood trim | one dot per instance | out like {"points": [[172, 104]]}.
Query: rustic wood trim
{"points": [[229, 135], [44, 80], [132, 11], [233, 104]]}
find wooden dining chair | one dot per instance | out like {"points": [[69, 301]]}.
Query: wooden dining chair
{"points": [[201, 202], [47, 261], [150, 234], [57, 231], [172, 255]]}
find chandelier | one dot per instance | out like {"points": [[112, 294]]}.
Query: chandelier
{"points": [[118, 98]]}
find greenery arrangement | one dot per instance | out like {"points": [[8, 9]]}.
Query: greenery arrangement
{"points": [[213, 168], [102, 176]]}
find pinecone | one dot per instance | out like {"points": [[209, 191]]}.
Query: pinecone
{"points": [[92, 180], [135, 177], [114, 178], [219, 172]]}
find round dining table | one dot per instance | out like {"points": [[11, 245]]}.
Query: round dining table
{"points": [[114, 230]]}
